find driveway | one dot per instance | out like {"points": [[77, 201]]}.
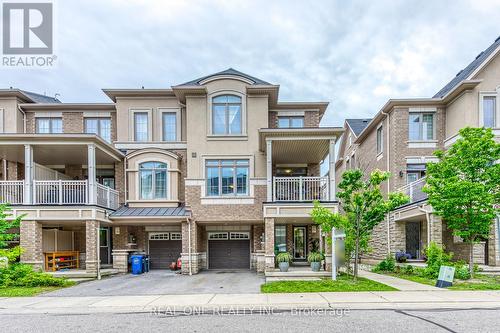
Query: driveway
{"points": [[166, 282]]}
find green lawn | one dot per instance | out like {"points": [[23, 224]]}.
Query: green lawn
{"points": [[480, 281], [24, 291], [343, 283]]}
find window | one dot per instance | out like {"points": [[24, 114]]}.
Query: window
{"points": [[175, 236], [380, 140], [49, 125], [280, 238], [291, 122], [153, 180], [239, 235], [141, 124], [99, 126], [414, 172], [227, 177], [421, 126], [217, 235], [169, 120], [226, 115], [159, 236], [489, 111]]}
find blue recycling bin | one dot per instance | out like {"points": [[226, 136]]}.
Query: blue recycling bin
{"points": [[137, 263]]}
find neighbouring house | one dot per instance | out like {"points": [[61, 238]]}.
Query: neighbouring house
{"points": [[401, 139], [216, 171]]}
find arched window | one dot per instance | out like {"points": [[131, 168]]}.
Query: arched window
{"points": [[226, 115], [153, 180]]}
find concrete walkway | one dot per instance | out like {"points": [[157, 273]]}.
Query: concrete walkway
{"points": [[400, 284], [208, 303]]}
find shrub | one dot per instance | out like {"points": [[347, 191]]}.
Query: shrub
{"points": [[12, 254], [402, 256], [284, 257], [386, 265], [462, 272], [408, 270], [436, 257], [22, 275], [314, 257]]}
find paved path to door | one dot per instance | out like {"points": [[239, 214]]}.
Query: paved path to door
{"points": [[162, 282], [400, 284]]}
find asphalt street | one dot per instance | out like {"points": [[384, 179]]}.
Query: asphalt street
{"points": [[464, 320]]}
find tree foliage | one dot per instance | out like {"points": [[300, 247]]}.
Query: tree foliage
{"points": [[464, 186], [6, 224]]}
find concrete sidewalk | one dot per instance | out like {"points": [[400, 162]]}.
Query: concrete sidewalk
{"points": [[400, 284], [158, 304]]}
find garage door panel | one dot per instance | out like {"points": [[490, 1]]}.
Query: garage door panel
{"points": [[164, 252], [228, 254]]}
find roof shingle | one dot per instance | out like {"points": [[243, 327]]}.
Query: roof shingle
{"points": [[358, 125]]}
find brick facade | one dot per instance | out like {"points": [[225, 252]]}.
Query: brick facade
{"points": [[72, 122], [31, 242], [91, 230]]}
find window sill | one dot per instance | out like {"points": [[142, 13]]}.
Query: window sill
{"points": [[213, 137]]}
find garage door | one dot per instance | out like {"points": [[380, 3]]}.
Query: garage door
{"points": [[164, 249], [229, 252]]}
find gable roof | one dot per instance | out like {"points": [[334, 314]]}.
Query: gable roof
{"points": [[229, 71], [467, 71], [38, 98], [358, 125]]}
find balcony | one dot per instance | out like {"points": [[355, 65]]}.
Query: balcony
{"points": [[300, 189], [58, 192], [414, 190]]}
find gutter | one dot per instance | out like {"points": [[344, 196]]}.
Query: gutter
{"points": [[428, 219]]}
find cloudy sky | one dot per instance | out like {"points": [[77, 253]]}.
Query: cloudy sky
{"points": [[355, 55]]}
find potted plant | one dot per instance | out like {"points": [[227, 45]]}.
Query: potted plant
{"points": [[314, 259], [283, 259], [402, 256]]}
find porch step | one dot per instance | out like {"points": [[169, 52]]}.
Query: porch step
{"points": [[291, 278]]}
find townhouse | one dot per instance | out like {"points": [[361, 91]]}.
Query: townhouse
{"points": [[401, 139], [216, 171]]}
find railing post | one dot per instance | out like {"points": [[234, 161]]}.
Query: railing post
{"points": [[60, 192], [301, 189]]}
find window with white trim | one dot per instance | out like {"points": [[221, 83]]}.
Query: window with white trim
{"points": [[169, 120], [421, 126], [141, 126], [217, 235], [159, 236], [153, 180], [175, 236], [227, 177], [49, 125], [380, 140], [290, 121], [239, 235], [489, 111], [99, 126], [226, 115]]}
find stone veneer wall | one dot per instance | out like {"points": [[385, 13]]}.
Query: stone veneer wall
{"points": [[31, 242], [460, 249]]}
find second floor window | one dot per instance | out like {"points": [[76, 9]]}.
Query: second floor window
{"points": [[49, 125], [141, 125], [489, 111], [226, 115], [291, 122], [153, 180], [421, 126], [227, 177], [380, 140], [99, 126], [169, 126]]}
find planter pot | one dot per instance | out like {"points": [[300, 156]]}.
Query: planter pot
{"points": [[283, 266], [315, 266]]}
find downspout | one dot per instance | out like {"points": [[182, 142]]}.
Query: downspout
{"points": [[24, 118], [387, 116], [189, 245], [428, 220]]}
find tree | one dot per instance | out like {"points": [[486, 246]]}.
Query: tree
{"points": [[464, 185], [6, 224], [364, 207]]}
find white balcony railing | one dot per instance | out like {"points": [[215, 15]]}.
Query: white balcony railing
{"points": [[12, 191], [58, 192], [414, 190], [300, 188]]}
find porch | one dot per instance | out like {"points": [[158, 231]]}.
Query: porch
{"points": [[58, 169]]}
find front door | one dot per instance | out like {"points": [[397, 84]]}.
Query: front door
{"points": [[413, 239], [299, 243], [105, 245]]}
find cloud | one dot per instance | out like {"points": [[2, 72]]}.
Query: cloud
{"points": [[354, 54]]}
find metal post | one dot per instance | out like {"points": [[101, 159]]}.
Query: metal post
{"points": [[334, 257]]}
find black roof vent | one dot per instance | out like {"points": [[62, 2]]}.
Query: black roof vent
{"points": [[480, 54], [459, 72], [498, 38]]}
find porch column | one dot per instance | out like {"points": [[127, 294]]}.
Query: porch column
{"points": [[31, 242], [91, 232], [28, 175], [91, 174], [269, 168], [331, 171], [189, 253], [269, 236]]}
